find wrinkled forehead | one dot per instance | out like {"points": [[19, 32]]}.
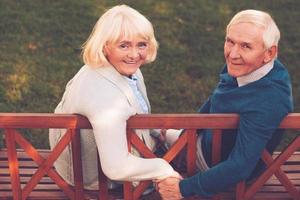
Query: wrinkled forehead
{"points": [[129, 32], [245, 31], [248, 25], [131, 38]]}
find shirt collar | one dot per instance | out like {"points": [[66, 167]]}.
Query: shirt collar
{"points": [[255, 75], [132, 78]]}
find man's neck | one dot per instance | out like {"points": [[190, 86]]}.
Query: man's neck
{"points": [[255, 75]]}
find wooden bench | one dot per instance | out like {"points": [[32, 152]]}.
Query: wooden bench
{"points": [[46, 188], [272, 189], [27, 167], [33, 176]]}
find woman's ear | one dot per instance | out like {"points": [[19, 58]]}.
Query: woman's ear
{"points": [[105, 50], [270, 53]]}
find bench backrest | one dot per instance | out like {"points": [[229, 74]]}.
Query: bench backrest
{"points": [[10, 122]]}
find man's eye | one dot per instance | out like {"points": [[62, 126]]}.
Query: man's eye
{"points": [[246, 46], [229, 41]]}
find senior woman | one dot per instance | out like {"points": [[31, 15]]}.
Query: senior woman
{"points": [[109, 89]]}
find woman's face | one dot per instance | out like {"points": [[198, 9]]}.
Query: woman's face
{"points": [[127, 55]]}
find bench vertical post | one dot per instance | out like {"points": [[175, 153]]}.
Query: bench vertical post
{"points": [[191, 151], [77, 164], [240, 190], [216, 150], [128, 188], [13, 164], [216, 144]]}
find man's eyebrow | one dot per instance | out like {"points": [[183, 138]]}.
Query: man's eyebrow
{"points": [[247, 43], [240, 42], [228, 38]]}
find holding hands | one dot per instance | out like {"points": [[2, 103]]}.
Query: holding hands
{"points": [[168, 188]]}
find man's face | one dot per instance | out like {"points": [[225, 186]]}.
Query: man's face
{"points": [[244, 49]]}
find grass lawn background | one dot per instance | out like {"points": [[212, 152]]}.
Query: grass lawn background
{"points": [[40, 46]]}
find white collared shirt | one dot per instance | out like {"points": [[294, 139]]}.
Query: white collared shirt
{"points": [[133, 85], [255, 75]]}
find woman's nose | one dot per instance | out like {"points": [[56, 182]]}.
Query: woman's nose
{"points": [[133, 53]]}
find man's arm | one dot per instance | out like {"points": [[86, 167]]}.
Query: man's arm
{"points": [[254, 131], [205, 107]]}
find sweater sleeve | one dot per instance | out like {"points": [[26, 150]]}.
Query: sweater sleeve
{"points": [[254, 131], [108, 115], [205, 107]]}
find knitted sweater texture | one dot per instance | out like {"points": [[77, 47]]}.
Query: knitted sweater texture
{"points": [[261, 106]]}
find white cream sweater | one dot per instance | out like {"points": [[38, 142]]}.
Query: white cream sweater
{"points": [[106, 99]]}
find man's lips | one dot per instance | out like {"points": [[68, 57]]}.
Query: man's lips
{"points": [[235, 63]]}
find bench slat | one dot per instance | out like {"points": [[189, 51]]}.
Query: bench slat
{"points": [[271, 190], [46, 187]]}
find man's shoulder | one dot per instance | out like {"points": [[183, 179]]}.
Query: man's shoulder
{"points": [[278, 76], [279, 68]]}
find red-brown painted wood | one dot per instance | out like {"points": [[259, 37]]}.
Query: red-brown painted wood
{"points": [[191, 151], [77, 164], [39, 159], [250, 192], [190, 122], [13, 164], [47, 164], [216, 146], [282, 177], [176, 148]]}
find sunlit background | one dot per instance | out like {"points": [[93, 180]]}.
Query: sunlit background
{"points": [[40, 46]]}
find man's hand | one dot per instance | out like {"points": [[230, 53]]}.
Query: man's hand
{"points": [[162, 136], [169, 188]]}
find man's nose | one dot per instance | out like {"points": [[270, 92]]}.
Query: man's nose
{"points": [[234, 52]]}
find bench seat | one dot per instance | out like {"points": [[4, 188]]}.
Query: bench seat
{"points": [[47, 189]]}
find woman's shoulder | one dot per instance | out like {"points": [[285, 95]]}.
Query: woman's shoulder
{"points": [[91, 76]]}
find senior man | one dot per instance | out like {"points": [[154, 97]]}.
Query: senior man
{"points": [[253, 84]]}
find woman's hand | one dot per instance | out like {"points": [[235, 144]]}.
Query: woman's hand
{"points": [[168, 188]]}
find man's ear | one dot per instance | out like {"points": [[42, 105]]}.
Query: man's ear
{"points": [[270, 53]]}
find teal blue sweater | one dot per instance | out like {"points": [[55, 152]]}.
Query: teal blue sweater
{"points": [[261, 105]]}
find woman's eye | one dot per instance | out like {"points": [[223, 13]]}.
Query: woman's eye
{"points": [[142, 45], [123, 46]]}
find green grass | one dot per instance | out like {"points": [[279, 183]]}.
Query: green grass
{"points": [[40, 45]]}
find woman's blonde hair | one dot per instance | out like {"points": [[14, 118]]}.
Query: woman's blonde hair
{"points": [[118, 22], [262, 19]]}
